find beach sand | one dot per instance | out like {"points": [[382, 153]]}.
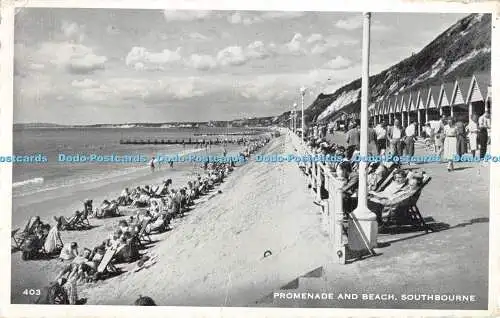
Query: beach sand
{"points": [[64, 201], [214, 256]]}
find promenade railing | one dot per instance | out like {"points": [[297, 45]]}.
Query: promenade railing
{"points": [[318, 176]]}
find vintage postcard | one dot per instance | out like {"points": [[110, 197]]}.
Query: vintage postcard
{"points": [[267, 158]]}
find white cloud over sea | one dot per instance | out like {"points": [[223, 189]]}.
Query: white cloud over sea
{"points": [[158, 66]]}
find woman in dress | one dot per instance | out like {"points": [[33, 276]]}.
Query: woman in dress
{"points": [[472, 130], [450, 143]]}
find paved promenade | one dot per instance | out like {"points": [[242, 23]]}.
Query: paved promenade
{"points": [[453, 260]]}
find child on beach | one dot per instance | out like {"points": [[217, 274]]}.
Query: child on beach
{"points": [[69, 251]]}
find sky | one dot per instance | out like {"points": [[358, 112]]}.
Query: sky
{"points": [[87, 66]]}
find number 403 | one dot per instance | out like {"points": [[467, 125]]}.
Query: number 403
{"points": [[31, 292]]}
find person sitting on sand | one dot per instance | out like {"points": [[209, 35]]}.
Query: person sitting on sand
{"points": [[54, 294], [99, 251], [159, 224], [164, 189], [142, 201], [107, 209], [114, 241], [123, 226], [53, 242], [124, 198], [144, 301], [69, 251], [136, 193]]}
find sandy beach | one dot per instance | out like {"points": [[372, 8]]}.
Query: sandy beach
{"points": [[64, 201], [213, 256]]}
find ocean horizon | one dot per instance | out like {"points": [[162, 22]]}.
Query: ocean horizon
{"points": [[29, 178]]}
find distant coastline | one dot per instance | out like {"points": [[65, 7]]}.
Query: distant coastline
{"points": [[248, 123]]}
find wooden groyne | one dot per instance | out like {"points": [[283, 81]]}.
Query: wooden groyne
{"points": [[230, 134], [160, 141]]}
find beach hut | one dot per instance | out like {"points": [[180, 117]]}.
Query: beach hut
{"points": [[412, 108], [432, 103], [422, 98], [477, 96], [444, 100], [393, 107], [405, 109], [398, 107], [458, 99], [385, 110]]}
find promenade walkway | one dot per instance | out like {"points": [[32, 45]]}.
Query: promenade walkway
{"points": [[453, 260]]}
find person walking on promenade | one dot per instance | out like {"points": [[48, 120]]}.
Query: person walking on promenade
{"points": [[439, 135], [450, 143], [396, 136], [372, 139], [484, 127], [472, 133], [152, 164], [410, 133], [429, 134], [461, 138], [381, 132], [352, 140]]}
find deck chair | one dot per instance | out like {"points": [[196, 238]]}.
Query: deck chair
{"points": [[143, 235], [406, 212], [18, 236], [106, 263], [72, 224], [17, 242], [387, 180], [83, 221]]}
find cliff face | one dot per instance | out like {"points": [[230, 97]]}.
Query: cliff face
{"points": [[460, 51]]}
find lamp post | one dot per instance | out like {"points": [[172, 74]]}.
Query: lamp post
{"points": [[294, 117], [302, 93], [367, 219]]}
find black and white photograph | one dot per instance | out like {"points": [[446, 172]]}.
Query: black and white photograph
{"points": [[243, 158]]}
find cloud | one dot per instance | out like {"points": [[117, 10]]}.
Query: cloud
{"points": [[142, 59], [282, 14], [257, 50], [357, 23], [237, 55], [231, 55], [76, 58], [338, 62], [322, 46], [86, 63], [73, 31], [252, 18], [198, 36], [295, 45], [85, 83], [315, 37], [185, 15], [112, 30], [235, 18], [246, 19], [353, 23], [37, 66], [202, 62]]}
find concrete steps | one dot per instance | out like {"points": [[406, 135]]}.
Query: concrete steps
{"points": [[311, 282]]}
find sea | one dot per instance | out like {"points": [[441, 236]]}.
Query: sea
{"points": [[30, 178]]}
